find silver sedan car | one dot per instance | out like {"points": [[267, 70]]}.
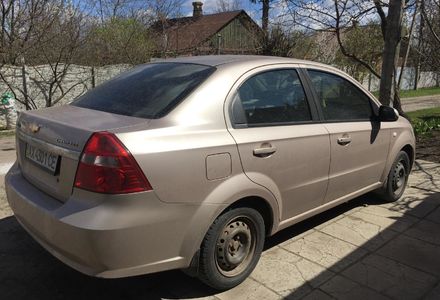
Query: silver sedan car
{"points": [[190, 163]]}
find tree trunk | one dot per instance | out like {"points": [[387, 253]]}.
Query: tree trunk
{"points": [[391, 53], [265, 16], [25, 89], [408, 47], [419, 45]]}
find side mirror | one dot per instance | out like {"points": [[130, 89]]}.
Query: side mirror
{"points": [[388, 114]]}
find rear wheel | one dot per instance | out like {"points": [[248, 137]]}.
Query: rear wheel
{"points": [[397, 178], [231, 248]]}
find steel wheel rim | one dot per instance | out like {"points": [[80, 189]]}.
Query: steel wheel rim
{"points": [[399, 178], [235, 246]]}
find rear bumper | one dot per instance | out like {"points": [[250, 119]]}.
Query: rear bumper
{"points": [[109, 235]]}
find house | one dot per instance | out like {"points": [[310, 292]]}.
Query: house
{"points": [[232, 32]]}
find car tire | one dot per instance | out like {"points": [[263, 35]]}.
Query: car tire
{"points": [[231, 248], [397, 178]]}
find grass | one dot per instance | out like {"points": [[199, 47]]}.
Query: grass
{"points": [[415, 93], [420, 92], [5, 133], [424, 121]]}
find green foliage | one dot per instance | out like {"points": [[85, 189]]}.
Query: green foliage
{"points": [[296, 44], [6, 133], [420, 92], [415, 93], [366, 43], [425, 121], [120, 40]]}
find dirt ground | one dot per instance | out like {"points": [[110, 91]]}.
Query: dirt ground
{"points": [[428, 147]]}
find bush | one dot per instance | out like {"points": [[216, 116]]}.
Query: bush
{"points": [[425, 126], [425, 121]]}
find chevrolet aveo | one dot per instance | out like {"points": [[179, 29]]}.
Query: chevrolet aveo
{"points": [[190, 163]]}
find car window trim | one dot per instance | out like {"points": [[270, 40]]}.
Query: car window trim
{"points": [[318, 106], [307, 93]]}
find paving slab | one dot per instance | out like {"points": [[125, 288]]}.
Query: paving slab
{"points": [[326, 250], [395, 223], [434, 294], [287, 273], [359, 233], [434, 216], [414, 253], [317, 295], [344, 289], [426, 231], [249, 290], [390, 278]]}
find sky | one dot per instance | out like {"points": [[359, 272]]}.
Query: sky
{"points": [[252, 9], [209, 6]]}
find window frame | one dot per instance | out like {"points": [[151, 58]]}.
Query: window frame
{"points": [[236, 109], [373, 105]]}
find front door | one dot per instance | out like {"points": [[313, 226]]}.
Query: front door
{"points": [[358, 145]]}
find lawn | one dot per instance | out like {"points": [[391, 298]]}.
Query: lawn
{"points": [[6, 132], [416, 93], [420, 92], [425, 120]]}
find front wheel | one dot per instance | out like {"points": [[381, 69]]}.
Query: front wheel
{"points": [[397, 178], [231, 248]]}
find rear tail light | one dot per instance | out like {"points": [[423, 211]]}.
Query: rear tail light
{"points": [[106, 166]]}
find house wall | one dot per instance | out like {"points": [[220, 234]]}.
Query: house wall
{"points": [[235, 38]]}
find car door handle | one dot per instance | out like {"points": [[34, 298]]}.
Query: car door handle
{"points": [[344, 140], [265, 151]]}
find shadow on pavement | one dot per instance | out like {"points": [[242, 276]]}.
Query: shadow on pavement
{"points": [[391, 265], [29, 271]]}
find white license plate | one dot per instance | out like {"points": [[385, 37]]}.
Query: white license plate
{"points": [[45, 159]]}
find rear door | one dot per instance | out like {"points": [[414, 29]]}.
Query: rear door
{"points": [[359, 146], [281, 145]]}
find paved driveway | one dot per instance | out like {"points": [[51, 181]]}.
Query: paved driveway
{"points": [[416, 103], [363, 249]]}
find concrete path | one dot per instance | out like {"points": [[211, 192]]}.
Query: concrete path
{"points": [[364, 249], [416, 103]]}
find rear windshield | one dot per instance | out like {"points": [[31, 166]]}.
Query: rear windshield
{"points": [[148, 91]]}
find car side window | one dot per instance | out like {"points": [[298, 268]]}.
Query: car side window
{"points": [[273, 97], [339, 99]]}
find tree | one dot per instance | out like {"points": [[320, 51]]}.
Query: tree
{"points": [[338, 16], [392, 28], [296, 44], [367, 44], [227, 5], [42, 40], [117, 41], [265, 14], [428, 56]]}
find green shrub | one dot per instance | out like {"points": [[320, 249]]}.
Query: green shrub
{"points": [[425, 126], [424, 121]]}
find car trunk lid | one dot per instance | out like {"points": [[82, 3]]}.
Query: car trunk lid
{"points": [[50, 141]]}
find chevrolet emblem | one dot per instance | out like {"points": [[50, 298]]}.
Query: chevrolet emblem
{"points": [[34, 127], [30, 127]]}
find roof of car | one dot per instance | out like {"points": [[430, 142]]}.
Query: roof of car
{"points": [[216, 60]]}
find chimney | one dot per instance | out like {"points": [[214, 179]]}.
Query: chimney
{"points": [[197, 9]]}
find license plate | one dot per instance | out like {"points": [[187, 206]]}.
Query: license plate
{"points": [[45, 159]]}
